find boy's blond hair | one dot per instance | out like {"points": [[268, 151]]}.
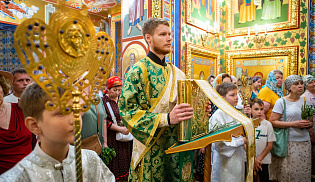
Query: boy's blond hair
{"points": [[33, 100]]}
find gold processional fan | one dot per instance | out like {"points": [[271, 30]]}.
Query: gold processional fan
{"points": [[245, 86], [68, 54]]}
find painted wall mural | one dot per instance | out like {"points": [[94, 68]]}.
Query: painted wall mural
{"points": [[293, 37], [17, 10], [8, 56], [134, 13], [272, 15]]}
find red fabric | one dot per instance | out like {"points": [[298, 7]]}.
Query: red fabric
{"points": [[113, 81], [16, 142]]}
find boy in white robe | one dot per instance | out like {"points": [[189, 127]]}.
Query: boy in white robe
{"points": [[53, 158], [228, 158]]}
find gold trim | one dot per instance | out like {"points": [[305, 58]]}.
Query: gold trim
{"points": [[202, 143], [290, 52], [290, 24], [194, 49], [191, 20], [156, 9]]}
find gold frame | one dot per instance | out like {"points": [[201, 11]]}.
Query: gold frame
{"points": [[202, 51], [190, 19], [291, 52], [293, 20]]}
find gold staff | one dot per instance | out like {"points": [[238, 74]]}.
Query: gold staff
{"points": [[245, 84], [67, 53]]}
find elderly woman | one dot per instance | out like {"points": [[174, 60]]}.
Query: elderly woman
{"points": [[271, 91], [16, 141], [297, 165], [256, 86], [309, 83], [121, 163]]}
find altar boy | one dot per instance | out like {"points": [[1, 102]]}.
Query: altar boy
{"points": [[53, 158], [228, 158]]}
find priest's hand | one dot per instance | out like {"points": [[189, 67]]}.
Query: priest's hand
{"points": [[208, 108], [180, 113]]}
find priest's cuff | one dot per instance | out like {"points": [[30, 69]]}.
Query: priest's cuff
{"points": [[164, 121]]}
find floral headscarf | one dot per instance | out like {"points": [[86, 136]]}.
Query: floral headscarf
{"points": [[307, 79], [217, 80], [271, 83]]}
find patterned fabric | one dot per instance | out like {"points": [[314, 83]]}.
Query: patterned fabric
{"points": [[254, 96], [120, 164], [148, 94], [113, 82], [217, 80], [308, 78], [271, 83], [295, 167], [39, 166], [8, 56], [290, 80]]}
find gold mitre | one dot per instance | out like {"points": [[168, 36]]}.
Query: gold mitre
{"points": [[66, 53]]}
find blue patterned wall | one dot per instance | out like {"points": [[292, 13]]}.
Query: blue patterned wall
{"points": [[8, 56]]}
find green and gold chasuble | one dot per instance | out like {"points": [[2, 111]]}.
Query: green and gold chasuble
{"points": [[148, 95]]}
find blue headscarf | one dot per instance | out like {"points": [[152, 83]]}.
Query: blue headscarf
{"points": [[271, 83]]}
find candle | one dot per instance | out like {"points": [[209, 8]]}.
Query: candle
{"points": [[248, 32], [256, 29], [207, 22], [266, 29], [215, 27]]}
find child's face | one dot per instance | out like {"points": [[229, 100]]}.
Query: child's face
{"points": [[57, 128], [257, 111], [231, 97]]}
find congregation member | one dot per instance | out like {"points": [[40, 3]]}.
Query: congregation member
{"points": [[148, 108], [93, 122], [271, 91], [20, 81], [264, 138], [295, 164], [227, 155], [121, 163], [256, 86], [16, 141], [53, 158], [309, 83], [210, 79], [221, 78]]}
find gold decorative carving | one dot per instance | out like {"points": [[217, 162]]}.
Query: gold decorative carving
{"points": [[67, 53], [193, 49], [192, 21], [245, 84], [291, 53], [186, 171], [156, 8], [292, 22]]}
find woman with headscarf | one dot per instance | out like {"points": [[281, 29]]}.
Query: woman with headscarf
{"points": [[271, 91], [309, 83], [121, 163], [256, 86], [286, 113]]}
